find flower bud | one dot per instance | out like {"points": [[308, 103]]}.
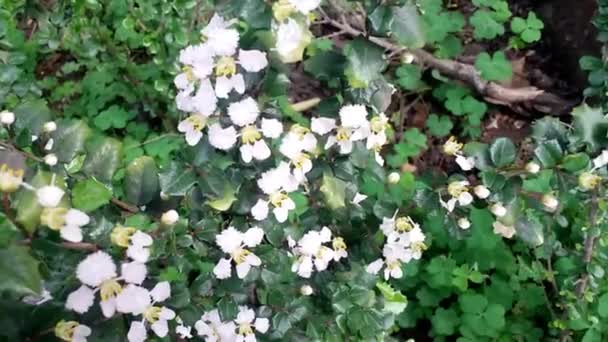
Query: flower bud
{"points": [[169, 218], [49, 196], [504, 230], [49, 127], [498, 209], [10, 179], [452, 146], [7, 118], [121, 236], [550, 202], [306, 290], [482, 191], [393, 178], [50, 159], [464, 223], [532, 167], [164, 196], [588, 180], [407, 58]]}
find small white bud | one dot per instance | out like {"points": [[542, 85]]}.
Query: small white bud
{"points": [[498, 210], [49, 144], [49, 127], [169, 218], [482, 191], [532, 167], [164, 196], [464, 223], [393, 178], [407, 58], [7, 118], [50, 159], [465, 198], [550, 202], [306, 290]]}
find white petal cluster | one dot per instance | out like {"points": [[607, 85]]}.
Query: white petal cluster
{"points": [[276, 183], [139, 247], [213, 70], [97, 273], [67, 221], [241, 329], [137, 300], [310, 253], [404, 242], [72, 331], [454, 148], [459, 192], [236, 244]]}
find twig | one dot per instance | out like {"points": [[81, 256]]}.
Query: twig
{"points": [[493, 92], [305, 105], [23, 153], [79, 246], [125, 206]]}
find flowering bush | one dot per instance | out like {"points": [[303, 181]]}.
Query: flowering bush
{"points": [[189, 195]]}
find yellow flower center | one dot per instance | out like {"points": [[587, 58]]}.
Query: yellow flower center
{"points": [[456, 188], [588, 180], [282, 9], [189, 73], [299, 130], [152, 314], [391, 265], [343, 134], [53, 218], [277, 198], [65, 330], [109, 289], [250, 134], [10, 179], [452, 146], [378, 124], [240, 255], [225, 66], [121, 236], [403, 225], [338, 244], [245, 329], [300, 160], [419, 247], [198, 122], [322, 251]]}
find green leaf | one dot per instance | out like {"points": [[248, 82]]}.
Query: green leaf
{"points": [[445, 321], [602, 305], [530, 230], [103, 158], [8, 231], [502, 152], [575, 162], [394, 301], [472, 303], [406, 26], [28, 209], [113, 117], [590, 126], [334, 191], [89, 195], [141, 181], [409, 76], [365, 62], [225, 201], [412, 143], [31, 115], [495, 316], [541, 183], [495, 68], [175, 180], [486, 26], [549, 153], [439, 126], [19, 271], [70, 138]]}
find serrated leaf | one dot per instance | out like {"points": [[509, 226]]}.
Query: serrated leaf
{"points": [[590, 126], [141, 181], [89, 195], [495, 68]]}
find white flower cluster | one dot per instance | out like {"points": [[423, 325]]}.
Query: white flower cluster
{"points": [[310, 253], [290, 27], [135, 241], [242, 329], [354, 126], [235, 244], [404, 242]]}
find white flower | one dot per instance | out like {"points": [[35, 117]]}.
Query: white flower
{"points": [[271, 128], [192, 127], [213, 329], [137, 300], [498, 209], [170, 217], [233, 242], [395, 254], [402, 229], [359, 197], [201, 100], [305, 6], [248, 325], [72, 331], [138, 249], [97, 273], [49, 127], [310, 252], [354, 127], [244, 112], [252, 60], [221, 38], [393, 178], [464, 223], [184, 331], [7, 118], [504, 230], [137, 332], [291, 40], [306, 290], [532, 167], [481, 191], [465, 163], [253, 146], [49, 196], [454, 148], [198, 64], [222, 138], [550, 202], [459, 190], [276, 183], [67, 221], [50, 159]]}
